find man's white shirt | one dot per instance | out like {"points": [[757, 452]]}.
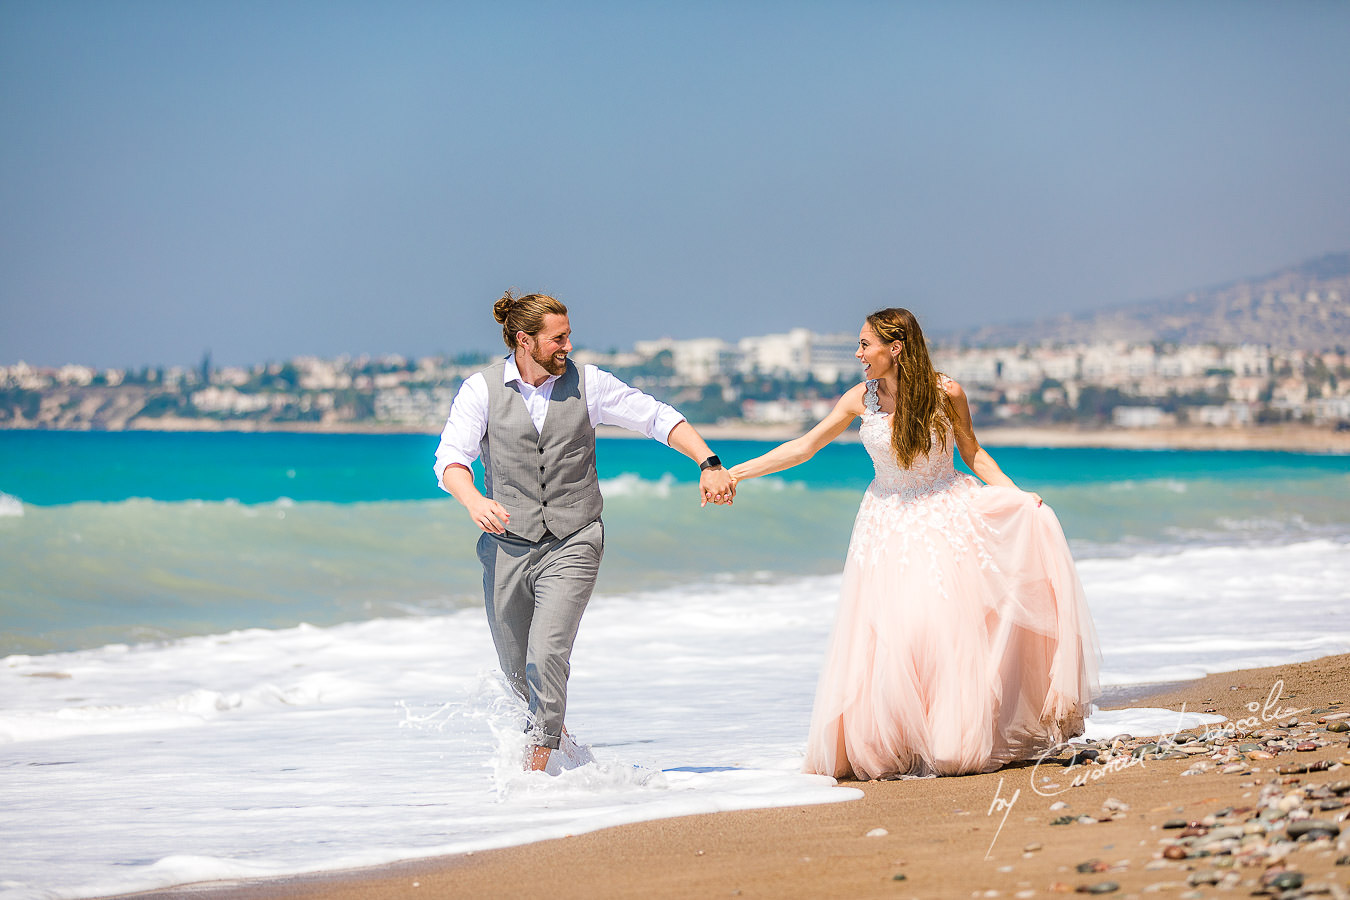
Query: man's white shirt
{"points": [[608, 402]]}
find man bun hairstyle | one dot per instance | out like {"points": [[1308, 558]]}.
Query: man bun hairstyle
{"points": [[526, 313]]}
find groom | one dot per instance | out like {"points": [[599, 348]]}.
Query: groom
{"points": [[531, 416]]}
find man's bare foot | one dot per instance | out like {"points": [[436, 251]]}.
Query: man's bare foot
{"points": [[537, 759]]}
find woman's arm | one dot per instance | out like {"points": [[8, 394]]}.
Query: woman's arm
{"points": [[799, 450], [975, 456]]}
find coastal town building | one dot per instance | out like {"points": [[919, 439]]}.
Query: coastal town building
{"points": [[793, 377]]}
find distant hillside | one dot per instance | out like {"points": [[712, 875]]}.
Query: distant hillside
{"points": [[1305, 307]]}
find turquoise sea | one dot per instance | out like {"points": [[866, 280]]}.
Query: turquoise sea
{"points": [[127, 537]]}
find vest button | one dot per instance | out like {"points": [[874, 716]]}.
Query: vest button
{"points": [[543, 503]]}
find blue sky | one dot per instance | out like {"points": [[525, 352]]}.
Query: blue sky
{"points": [[264, 180]]}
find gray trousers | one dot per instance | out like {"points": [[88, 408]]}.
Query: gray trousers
{"points": [[536, 593]]}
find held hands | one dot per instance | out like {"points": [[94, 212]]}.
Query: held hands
{"points": [[488, 515], [716, 486]]}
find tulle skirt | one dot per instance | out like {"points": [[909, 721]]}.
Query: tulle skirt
{"points": [[963, 639]]}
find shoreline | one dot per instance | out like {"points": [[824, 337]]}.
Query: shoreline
{"points": [[953, 837], [1287, 437]]}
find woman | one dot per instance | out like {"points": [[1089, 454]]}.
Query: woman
{"points": [[963, 640]]}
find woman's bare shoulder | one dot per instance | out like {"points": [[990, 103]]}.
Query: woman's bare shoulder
{"points": [[853, 399]]}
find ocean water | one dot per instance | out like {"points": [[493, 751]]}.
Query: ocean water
{"points": [[238, 655]]}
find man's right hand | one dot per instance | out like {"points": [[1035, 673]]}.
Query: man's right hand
{"points": [[488, 515]]}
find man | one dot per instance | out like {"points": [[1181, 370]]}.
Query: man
{"points": [[531, 416]]}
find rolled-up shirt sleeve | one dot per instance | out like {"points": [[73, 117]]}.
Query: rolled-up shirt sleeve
{"points": [[611, 402], [465, 427]]}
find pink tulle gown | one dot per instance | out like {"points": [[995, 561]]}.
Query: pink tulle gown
{"points": [[963, 639]]}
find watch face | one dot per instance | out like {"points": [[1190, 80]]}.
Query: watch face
{"points": [[711, 462]]}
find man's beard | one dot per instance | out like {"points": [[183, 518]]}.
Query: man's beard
{"points": [[550, 365]]}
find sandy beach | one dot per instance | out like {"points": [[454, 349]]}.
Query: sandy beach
{"points": [[1213, 816]]}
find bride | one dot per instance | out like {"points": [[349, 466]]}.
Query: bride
{"points": [[963, 640]]}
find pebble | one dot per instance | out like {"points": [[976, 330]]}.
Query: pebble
{"points": [[1204, 876], [1226, 833], [1303, 768], [1101, 887], [1338, 727], [1307, 826], [1032, 848], [1175, 852], [877, 832], [1284, 881]]}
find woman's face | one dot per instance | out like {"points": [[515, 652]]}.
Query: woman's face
{"points": [[877, 356]]}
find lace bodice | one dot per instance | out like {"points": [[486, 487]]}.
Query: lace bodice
{"points": [[933, 471], [924, 506]]}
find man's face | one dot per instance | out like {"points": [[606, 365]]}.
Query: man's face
{"points": [[549, 348]]}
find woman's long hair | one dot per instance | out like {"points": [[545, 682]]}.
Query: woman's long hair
{"points": [[922, 407]]}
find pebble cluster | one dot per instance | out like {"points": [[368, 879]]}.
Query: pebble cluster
{"points": [[1256, 848]]}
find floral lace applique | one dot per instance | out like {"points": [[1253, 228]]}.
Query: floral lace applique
{"points": [[923, 507]]}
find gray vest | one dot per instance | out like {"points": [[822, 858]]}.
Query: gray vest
{"points": [[546, 480]]}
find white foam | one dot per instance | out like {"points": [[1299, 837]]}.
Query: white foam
{"points": [[630, 484], [1105, 724], [10, 506], [1170, 617]]}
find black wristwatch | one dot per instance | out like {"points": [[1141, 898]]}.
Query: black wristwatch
{"points": [[711, 462]]}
